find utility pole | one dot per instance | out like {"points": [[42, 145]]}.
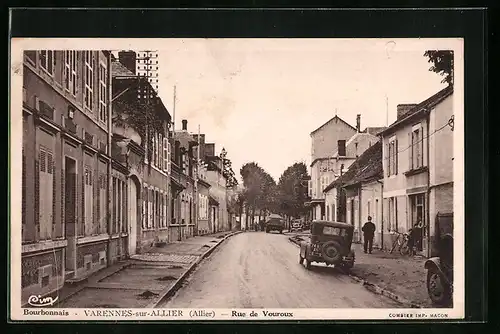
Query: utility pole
{"points": [[386, 110]]}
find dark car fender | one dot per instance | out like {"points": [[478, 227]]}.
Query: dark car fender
{"points": [[303, 249], [434, 263]]}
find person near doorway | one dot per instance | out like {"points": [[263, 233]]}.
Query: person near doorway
{"points": [[415, 237], [368, 234]]}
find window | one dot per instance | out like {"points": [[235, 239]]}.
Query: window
{"points": [[103, 73], [329, 230], [309, 186], [70, 71], [89, 79], [89, 203], [31, 56], [417, 209], [150, 209], [417, 148], [47, 61], [392, 157], [393, 214], [102, 203], [45, 193], [145, 208]]}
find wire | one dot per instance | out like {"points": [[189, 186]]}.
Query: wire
{"points": [[450, 123]]}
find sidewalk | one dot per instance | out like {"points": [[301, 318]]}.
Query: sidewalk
{"points": [[144, 280], [398, 277]]}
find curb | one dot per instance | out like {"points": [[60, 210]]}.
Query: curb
{"points": [[178, 283], [81, 285], [375, 288]]}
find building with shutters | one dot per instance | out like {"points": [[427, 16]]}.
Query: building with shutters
{"points": [[183, 217], [418, 166], [66, 168], [358, 192], [219, 216], [334, 148], [336, 206], [142, 63], [141, 143]]}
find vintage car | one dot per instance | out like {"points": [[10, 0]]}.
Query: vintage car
{"points": [[296, 225], [330, 243], [440, 265], [275, 223]]}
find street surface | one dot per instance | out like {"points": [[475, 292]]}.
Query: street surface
{"points": [[260, 270]]}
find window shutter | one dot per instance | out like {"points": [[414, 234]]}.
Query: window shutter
{"points": [[422, 147], [387, 160], [165, 154], [410, 154], [396, 156]]}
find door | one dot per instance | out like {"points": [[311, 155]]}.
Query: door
{"points": [[132, 226], [70, 212]]}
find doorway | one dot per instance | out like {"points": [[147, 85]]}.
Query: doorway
{"points": [[70, 223], [132, 216]]}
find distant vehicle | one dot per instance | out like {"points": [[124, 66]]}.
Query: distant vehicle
{"points": [[275, 223], [296, 226], [306, 225]]}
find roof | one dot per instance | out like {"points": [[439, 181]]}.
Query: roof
{"points": [[420, 108], [368, 166], [185, 138], [274, 216], [333, 224], [119, 70], [374, 130], [331, 119]]}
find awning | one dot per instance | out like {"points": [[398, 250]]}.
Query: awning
{"points": [[212, 201], [317, 201], [177, 187]]}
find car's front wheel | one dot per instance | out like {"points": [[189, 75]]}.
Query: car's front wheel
{"points": [[439, 291]]}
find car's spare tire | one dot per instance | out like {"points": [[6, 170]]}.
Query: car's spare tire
{"points": [[331, 251]]}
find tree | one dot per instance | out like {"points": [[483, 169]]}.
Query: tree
{"points": [[442, 61], [292, 190], [228, 172], [258, 189]]}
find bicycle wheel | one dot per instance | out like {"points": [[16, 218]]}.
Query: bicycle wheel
{"points": [[396, 242], [404, 250]]}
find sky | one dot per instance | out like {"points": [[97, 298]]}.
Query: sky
{"points": [[261, 98]]}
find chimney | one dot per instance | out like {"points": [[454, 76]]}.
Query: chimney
{"points": [[209, 149], [358, 123], [128, 59], [184, 124], [404, 108]]}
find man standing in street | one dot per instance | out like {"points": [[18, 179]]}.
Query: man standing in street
{"points": [[368, 233]]}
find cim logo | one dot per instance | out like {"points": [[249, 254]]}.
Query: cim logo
{"points": [[38, 301]]}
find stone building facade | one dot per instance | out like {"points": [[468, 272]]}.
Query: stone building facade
{"points": [[66, 168]]}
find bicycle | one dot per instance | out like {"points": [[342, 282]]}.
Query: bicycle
{"points": [[401, 243]]}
